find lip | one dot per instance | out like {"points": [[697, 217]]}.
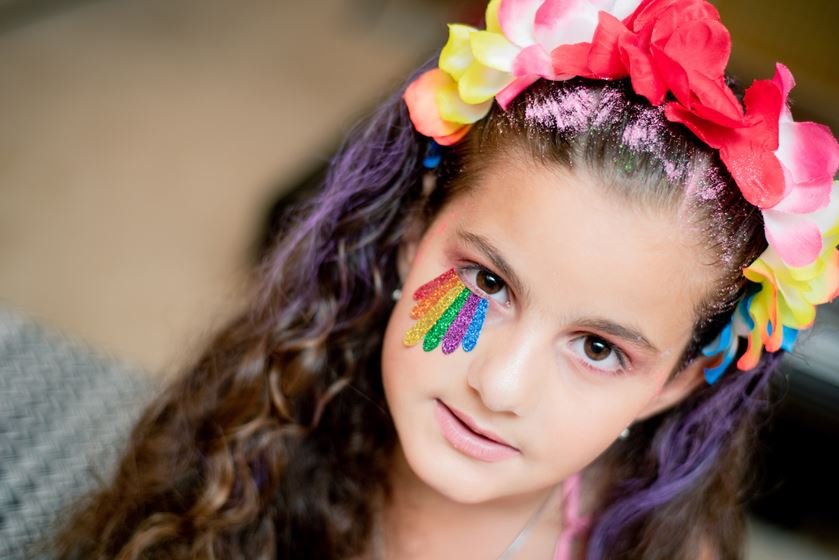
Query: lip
{"points": [[465, 436]]}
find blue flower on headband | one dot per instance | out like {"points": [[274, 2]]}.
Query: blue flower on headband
{"points": [[727, 342]]}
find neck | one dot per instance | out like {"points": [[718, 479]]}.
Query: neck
{"points": [[420, 522]]}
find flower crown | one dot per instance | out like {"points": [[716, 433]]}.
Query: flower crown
{"points": [[677, 47]]}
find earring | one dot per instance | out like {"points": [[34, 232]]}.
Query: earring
{"points": [[624, 434], [396, 294]]}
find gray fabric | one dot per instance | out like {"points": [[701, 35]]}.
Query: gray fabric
{"points": [[65, 411]]}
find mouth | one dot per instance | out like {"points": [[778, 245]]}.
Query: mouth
{"points": [[465, 436]]}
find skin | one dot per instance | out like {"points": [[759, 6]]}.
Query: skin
{"points": [[582, 255]]}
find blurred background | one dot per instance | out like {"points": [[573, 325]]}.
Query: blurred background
{"points": [[147, 148]]}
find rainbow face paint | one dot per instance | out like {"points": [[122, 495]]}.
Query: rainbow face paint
{"points": [[446, 311]]}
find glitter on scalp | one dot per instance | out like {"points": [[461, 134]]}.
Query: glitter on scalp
{"points": [[571, 113]]}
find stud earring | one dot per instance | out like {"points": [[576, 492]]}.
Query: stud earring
{"points": [[624, 434], [396, 294]]}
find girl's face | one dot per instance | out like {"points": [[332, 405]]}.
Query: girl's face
{"points": [[591, 302]]}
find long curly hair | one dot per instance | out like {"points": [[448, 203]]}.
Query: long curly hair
{"points": [[276, 441]]}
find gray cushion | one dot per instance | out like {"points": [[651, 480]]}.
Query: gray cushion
{"points": [[65, 411]]}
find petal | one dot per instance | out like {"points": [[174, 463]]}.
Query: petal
{"points": [[783, 79], [506, 95], [702, 46], [480, 83], [672, 73], [420, 97], [751, 357], [492, 16], [453, 138], [560, 22], [763, 101], [758, 173], [809, 151], [571, 60], [803, 198], [643, 73], [716, 101], [494, 50], [669, 13], [577, 29], [516, 20], [456, 56], [825, 287], [723, 341], [794, 311], [453, 108], [534, 60], [604, 58], [711, 133], [796, 239]]}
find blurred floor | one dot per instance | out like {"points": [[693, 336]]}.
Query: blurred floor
{"points": [[142, 140]]}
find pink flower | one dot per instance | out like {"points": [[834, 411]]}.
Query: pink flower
{"points": [[809, 157], [783, 167], [534, 28]]}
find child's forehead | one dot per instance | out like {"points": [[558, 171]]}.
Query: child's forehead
{"points": [[580, 249]]}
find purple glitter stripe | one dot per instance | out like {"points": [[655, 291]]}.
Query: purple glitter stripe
{"points": [[474, 330], [458, 328]]}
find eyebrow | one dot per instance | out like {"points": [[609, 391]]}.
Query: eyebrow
{"points": [[489, 250], [627, 333], [499, 262]]}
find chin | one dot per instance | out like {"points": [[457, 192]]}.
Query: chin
{"points": [[450, 475]]}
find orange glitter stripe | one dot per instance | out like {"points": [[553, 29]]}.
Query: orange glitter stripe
{"points": [[422, 307], [417, 332]]}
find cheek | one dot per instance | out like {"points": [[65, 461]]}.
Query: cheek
{"points": [[587, 421], [406, 374]]}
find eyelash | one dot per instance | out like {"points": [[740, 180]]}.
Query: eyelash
{"points": [[620, 355], [473, 287]]}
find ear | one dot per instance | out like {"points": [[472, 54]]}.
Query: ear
{"points": [[678, 387]]}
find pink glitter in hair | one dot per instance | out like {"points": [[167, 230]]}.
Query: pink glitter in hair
{"points": [[611, 102], [571, 113]]}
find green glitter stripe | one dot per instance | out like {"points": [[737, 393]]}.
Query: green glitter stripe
{"points": [[438, 331]]}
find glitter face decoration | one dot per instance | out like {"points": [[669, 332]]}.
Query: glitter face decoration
{"points": [[446, 311]]}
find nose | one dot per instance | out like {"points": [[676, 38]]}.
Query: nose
{"points": [[506, 371]]}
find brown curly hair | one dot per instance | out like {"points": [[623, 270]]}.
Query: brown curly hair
{"points": [[276, 441]]}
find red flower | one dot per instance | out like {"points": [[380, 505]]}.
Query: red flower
{"points": [[748, 151], [664, 45]]}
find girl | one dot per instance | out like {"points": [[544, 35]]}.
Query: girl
{"points": [[532, 314]]}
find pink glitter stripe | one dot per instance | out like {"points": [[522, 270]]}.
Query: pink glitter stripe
{"points": [[460, 325], [432, 285]]}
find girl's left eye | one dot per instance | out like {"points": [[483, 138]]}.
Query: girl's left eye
{"points": [[599, 354], [485, 283]]}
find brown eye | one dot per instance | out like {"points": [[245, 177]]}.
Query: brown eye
{"points": [[488, 282], [597, 349]]}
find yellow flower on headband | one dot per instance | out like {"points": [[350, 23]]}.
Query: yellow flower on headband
{"points": [[438, 107], [788, 296], [477, 66]]}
